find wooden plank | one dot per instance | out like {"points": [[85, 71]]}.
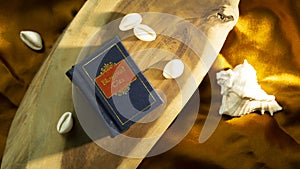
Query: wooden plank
{"points": [[33, 141]]}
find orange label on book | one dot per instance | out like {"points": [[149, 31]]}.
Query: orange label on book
{"points": [[115, 78]]}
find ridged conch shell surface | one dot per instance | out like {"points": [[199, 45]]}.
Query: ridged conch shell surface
{"points": [[32, 39], [129, 21], [242, 94]]}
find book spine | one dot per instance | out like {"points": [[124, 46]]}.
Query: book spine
{"points": [[78, 78]]}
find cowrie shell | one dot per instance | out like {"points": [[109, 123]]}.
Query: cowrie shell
{"points": [[65, 123], [173, 69], [144, 32], [32, 39], [129, 21]]}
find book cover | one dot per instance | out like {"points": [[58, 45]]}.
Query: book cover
{"points": [[115, 86]]}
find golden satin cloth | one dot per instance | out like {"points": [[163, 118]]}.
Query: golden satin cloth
{"points": [[267, 35], [18, 63]]}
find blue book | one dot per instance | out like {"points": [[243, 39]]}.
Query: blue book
{"points": [[114, 86]]}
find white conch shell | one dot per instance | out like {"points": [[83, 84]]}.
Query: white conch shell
{"points": [[144, 32], [65, 123], [32, 39], [173, 69], [129, 21], [242, 94]]}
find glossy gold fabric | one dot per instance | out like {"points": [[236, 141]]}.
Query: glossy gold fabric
{"points": [[267, 35]]}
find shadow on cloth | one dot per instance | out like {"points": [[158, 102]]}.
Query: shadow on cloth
{"points": [[267, 35], [18, 63]]}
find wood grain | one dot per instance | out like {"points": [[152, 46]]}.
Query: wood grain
{"points": [[33, 141]]}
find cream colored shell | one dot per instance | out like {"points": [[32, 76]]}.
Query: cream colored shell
{"points": [[242, 94], [144, 32], [129, 21], [173, 69], [32, 39], [65, 123]]}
